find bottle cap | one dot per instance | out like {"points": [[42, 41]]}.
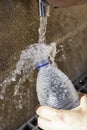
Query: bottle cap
{"points": [[42, 63]]}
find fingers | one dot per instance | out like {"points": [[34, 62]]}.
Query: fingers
{"points": [[83, 101], [48, 113], [50, 119], [53, 119], [53, 114], [44, 124], [51, 125]]}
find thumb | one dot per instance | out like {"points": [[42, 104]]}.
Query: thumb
{"points": [[83, 101]]}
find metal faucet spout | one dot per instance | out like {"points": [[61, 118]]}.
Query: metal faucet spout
{"points": [[42, 8]]}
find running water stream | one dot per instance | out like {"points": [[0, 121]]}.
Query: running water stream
{"points": [[42, 30]]}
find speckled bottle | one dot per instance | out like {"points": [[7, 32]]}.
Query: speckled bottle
{"points": [[54, 88]]}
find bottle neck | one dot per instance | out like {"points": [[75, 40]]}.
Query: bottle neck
{"points": [[42, 64]]}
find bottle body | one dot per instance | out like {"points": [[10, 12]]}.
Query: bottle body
{"points": [[54, 89]]}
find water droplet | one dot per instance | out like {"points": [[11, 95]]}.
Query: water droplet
{"points": [[70, 40], [13, 79], [1, 97], [20, 106]]}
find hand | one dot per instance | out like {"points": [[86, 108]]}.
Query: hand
{"points": [[52, 119], [66, 3]]}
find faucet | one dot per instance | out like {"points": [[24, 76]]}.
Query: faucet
{"points": [[43, 8]]}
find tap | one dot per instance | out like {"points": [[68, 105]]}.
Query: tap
{"points": [[43, 8]]}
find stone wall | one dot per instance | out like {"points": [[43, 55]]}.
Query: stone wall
{"points": [[19, 23]]}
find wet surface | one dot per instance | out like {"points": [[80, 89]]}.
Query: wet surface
{"points": [[19, 23]]}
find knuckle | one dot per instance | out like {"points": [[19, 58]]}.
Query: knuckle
{"points": [[39, 121]]}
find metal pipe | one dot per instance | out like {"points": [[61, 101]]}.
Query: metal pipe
{"points": [[42, 8]]}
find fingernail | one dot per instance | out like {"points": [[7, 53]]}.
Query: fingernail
{"points": [[37, 107]]}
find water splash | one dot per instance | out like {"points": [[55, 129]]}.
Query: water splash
{"points": [[26, 65]]}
